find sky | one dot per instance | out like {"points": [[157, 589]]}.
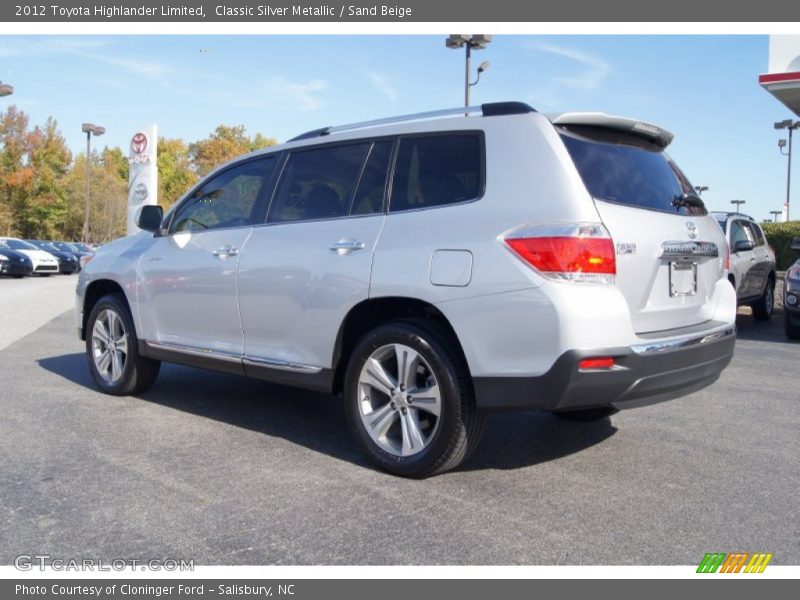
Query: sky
{"points": [[702, 88]]}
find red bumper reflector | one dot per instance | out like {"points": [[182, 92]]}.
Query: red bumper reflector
{"points": [[605, 362]]}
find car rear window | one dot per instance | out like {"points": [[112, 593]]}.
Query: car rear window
{"points": [[628, 169]]}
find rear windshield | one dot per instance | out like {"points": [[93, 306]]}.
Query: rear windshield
{"points": [[627, 169]]}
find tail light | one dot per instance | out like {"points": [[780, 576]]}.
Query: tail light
{"points": [[573, 252], [727, 264], [591, 364]]}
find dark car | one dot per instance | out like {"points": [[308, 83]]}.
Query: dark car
{"points": [[68, 262], [791, 297], [14, 263]]}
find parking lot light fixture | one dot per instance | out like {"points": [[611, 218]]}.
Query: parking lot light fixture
{"points": [[700, 189], [6, 89], [790, 126], [738, 203], [89, 129], [775, 214], [469, 42]]}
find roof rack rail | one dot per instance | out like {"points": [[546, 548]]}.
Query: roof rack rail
{"points": [[492, 109]]}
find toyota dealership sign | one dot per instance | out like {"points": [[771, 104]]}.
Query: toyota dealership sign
{"points": [[143, 178]]}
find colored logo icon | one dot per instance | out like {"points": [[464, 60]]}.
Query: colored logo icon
{"points": [[735, 562]]}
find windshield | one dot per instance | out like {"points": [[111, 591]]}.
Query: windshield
{"points": [[627, 169], [20, 245]]}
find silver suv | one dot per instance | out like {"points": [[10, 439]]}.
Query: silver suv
{"points": [[752, 263], [430, 269]]}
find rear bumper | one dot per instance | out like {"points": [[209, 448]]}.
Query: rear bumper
{"points": [[652, 371]]}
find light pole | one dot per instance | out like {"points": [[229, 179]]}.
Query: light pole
{"points": [[791, 126], [738, 203], [6, 89], [89, 129], [775, 214], [700, 189], [476, 41]]}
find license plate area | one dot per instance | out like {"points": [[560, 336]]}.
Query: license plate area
{"points": [[682, 278]]}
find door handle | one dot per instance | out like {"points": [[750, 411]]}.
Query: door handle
{"points": [[225, 251], [347, 246]]}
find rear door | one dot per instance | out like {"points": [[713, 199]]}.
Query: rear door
{"points": [[311, 262], [669, 251]]}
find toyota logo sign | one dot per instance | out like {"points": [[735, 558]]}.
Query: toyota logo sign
{"points": [[139, 143]]}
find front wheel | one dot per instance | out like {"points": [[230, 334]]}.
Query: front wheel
{"points": [[763, 307], [112, 350], [409, 400]]}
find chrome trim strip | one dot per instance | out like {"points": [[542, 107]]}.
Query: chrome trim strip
{"points": [[668, 345], [279, 365], [688, 249], [202, 352]]}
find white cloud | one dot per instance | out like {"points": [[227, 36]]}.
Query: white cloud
{"points": [[296, 94], [381, 83], [595, 70]]}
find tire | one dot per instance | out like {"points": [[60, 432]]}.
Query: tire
{"points": [[792, 331], [587, 415], [408, 437], [18, 276], [124, 372], [763, 307]]}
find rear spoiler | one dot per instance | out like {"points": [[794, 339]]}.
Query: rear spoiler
{"points": [[655, 134]]}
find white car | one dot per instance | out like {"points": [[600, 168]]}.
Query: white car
{"points": [[44, 263]]}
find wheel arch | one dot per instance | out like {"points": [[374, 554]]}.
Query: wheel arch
{"points": [[96, 290], [370, 313]]}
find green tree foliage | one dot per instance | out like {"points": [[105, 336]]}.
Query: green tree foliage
{"points": [[43, 187], [175, 171], [780, 236]]}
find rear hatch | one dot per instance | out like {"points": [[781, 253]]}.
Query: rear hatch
{"points": [[670, 253]]}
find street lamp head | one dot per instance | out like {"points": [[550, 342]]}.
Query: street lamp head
{"points": [[456, 40], [701, 188], [781, 143], [785, 124], [5, 89], [91, 128], [480, 41], [483, 66]]}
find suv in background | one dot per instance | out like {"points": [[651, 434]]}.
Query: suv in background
{"points": [[791, 297], [429, 268], [752, 263]]}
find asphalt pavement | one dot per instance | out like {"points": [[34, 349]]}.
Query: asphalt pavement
{"points": [[225, 470]]}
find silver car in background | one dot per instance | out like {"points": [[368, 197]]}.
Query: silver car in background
{"points": [[430, 269]]}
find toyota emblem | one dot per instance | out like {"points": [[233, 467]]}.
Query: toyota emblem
{"points": [[692, 229], [139, 143]]}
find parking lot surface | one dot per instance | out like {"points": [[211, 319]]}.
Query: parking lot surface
{"points": [[225, 470]]}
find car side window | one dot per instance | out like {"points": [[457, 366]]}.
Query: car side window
{"points": [[372, 187], [227, 200], [318, 183], [740, 232], [435, 170], [757, 234]]}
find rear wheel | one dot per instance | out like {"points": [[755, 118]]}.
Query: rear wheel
{"points": [[792, 330], [587, 415], [112, 350], [763, 307], [409, 400]]}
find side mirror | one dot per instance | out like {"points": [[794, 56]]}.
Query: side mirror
{"points": [[150, 217], [795, 244], [743, 246]]}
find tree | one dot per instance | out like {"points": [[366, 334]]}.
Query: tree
{"points": [[175, 172], [223, 145]]}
